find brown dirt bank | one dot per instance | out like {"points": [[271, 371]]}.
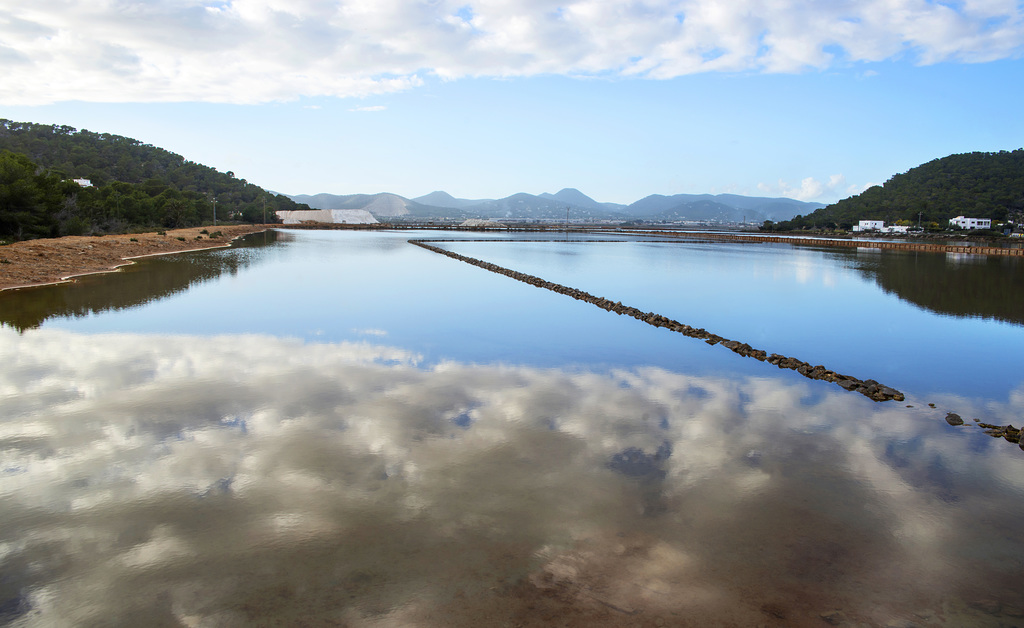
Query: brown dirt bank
{"points": [[38, 262]]}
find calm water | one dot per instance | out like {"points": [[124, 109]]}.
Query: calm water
{"points": [[334, 428]]}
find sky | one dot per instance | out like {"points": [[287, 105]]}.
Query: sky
{"points": [[809, 99]]}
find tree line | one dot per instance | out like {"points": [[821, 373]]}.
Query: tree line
{"points": [[976, 185], [134, 186]]}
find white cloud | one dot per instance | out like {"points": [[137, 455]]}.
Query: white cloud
{"points": [[811, 189], [857, 189], [371, 332], [372, 108], [248, 51]]}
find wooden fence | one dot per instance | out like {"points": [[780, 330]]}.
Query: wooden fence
{"points": [[862, 244]]}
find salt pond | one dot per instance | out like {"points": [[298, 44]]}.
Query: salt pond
{"points": [[341, 428]]}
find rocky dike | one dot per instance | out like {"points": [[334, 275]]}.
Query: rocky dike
{"points": [[868, 387]]}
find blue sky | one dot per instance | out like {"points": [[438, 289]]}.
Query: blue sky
{"points": [[800, 98]]}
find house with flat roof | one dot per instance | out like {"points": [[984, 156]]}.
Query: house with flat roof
{"points": [[970, 223], [869, 225], [879, 225]]}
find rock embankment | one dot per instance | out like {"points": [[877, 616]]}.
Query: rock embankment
{"points": [[869, 388], [1008, 432]]}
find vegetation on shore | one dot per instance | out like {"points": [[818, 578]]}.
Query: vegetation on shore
{"points": [[134, 186], [978, 185]]}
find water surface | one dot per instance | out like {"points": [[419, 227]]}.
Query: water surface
{"points": [[343, 429]]}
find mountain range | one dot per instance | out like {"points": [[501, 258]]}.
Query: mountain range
{"points": [[567, 203]]}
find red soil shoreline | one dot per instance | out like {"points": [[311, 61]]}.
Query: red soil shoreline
{"points": [[46, 261]]}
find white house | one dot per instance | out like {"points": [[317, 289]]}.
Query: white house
{"points": [[879, 225], [970, 223], [869, 225], [85, 183]]}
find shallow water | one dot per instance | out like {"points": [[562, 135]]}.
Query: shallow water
{"points": [[341, 428]]}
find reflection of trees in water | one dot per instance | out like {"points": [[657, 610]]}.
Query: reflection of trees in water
{"points": [[138, 284], [964, 285]]}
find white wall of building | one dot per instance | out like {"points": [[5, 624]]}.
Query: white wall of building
{"points": [[970, 223], [870, 225]]}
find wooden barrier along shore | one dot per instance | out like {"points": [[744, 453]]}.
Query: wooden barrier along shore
{"points": [[900, 245], [869, 388]]}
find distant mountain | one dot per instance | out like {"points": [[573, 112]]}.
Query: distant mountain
{"points": [[548, 207], [382, 206], [524, 206], [444, 199], [520, 207], [574, 197], [694, 207], [770, 207], [710, 211], [337, 201], [977, 185]]}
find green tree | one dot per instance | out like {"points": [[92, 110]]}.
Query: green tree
{"points": [[23, 196], [133, 185]]}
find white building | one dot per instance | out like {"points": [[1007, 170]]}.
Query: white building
{"points": [[85, 183], [335, 216], [879, 225], [869, 225], [970, 223]]}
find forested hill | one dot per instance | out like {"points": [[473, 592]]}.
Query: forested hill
{"points": [[134, 185], [976, 185]]}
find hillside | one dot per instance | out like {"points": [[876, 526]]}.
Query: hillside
{"points": [[709, 211], [977, 185], [444, 199], [574, 197], [133, 185], [723, 207]]}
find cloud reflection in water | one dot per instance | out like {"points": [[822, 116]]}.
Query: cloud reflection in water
{"points": [[235, 480]]}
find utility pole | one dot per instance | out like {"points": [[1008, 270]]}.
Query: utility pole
{"points": [[214, 211]]}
